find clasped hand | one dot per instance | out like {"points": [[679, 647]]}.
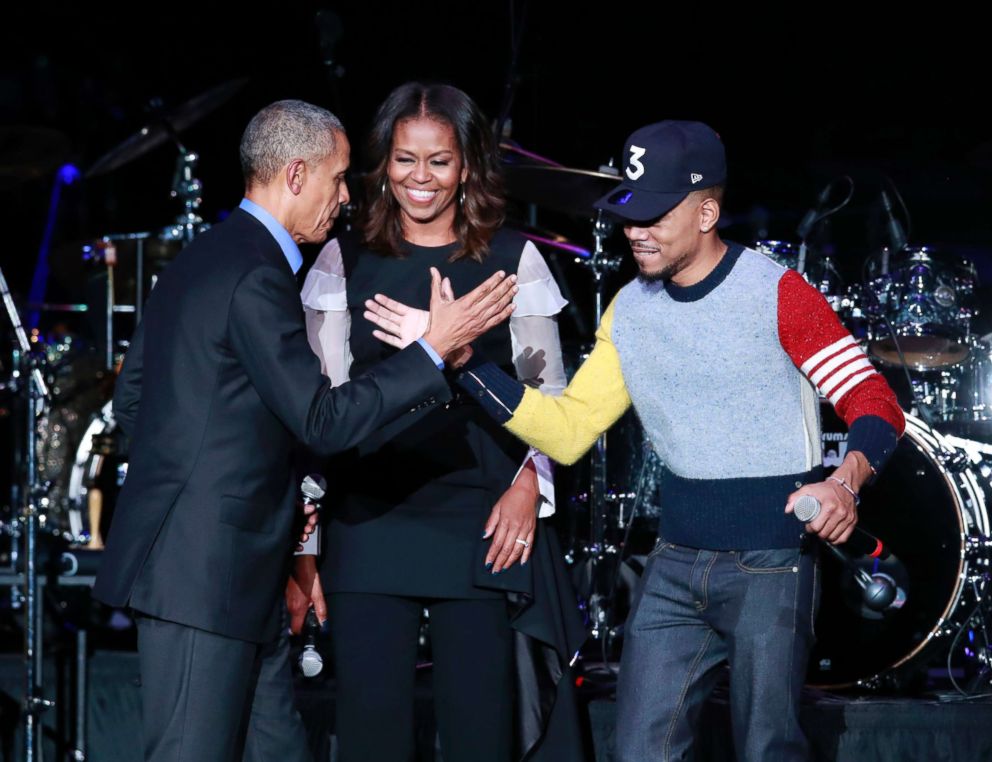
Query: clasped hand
{"points": [[451, 324]]}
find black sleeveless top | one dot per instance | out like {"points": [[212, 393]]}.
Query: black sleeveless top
{"points": [[408, 507]]}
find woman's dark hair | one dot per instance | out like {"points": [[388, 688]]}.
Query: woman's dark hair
{"points": [[480, 214]]}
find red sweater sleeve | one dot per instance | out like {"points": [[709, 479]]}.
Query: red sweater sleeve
{"points": [[824, 350]]}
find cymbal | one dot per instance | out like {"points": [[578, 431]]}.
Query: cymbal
{"points": [[155, 133], [27, 153], [561, 189], [550, 240]]}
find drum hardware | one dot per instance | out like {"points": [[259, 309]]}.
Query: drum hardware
{"points": [[952, 460], [599, 264], [976, 623], [925, 303], [819, 271], [190, 190], [812, 219], [898, 236], [33, 518], [874, 309], [978, 547]]}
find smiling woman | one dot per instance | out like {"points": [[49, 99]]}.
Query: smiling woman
{"points": [[438, 513]]}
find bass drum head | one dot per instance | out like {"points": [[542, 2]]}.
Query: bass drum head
{"points": [[919, 510]]}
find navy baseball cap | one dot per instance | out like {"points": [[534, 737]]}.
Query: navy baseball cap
{"points": [[664, 163]]}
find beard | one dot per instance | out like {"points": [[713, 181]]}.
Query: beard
{"points": [[666, 273]]}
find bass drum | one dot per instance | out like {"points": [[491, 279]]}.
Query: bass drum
{"points": [[95, 479], [925, 505]]}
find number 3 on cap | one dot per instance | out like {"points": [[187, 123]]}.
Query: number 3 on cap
{"points": [[635, 169]]}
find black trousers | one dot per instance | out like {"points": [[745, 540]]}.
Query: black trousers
{"points": [[375, 652], [203, 693]]}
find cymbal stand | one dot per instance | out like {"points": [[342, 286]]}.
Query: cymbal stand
{"points": [[599, 264], [189, 189], [30, 520], [185, 186]]}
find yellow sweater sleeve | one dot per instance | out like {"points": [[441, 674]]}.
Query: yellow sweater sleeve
{"points": [[565, 427]]}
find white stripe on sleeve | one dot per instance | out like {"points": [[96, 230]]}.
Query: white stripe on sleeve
{"points": [[851, 383], [833, 363], [824, 353], [847, 371]]}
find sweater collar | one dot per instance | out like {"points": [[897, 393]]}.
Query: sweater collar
{"points": [[717, 275]]}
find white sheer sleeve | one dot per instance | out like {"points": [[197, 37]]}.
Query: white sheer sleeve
{"points": [[325, 305], [536, 348]]}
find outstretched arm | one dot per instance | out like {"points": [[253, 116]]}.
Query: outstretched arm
{"points": [[563, 427]]}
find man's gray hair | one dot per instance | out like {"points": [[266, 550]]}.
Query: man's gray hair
{"points": [[283, 131]]}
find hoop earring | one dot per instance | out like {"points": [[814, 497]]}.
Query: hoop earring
{"points": [[461, 194], [382, 188]]}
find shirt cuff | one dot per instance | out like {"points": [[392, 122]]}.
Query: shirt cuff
{"points": [[438, 360], [545, 481]]}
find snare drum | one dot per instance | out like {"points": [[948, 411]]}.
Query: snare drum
{"points": [[925, 510]]}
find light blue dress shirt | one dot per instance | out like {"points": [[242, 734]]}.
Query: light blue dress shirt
{"points": [[292, 253]]}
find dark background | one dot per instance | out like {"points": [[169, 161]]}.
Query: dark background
{"points": [[799, 97]]}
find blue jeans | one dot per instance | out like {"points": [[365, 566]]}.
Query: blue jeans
{"points": [[696, 609]]}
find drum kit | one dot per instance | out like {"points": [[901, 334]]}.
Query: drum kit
{"points": [[914, 312]]}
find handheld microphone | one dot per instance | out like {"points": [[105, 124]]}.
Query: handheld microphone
{"points": [[313, 488], [311, 662], [860, 543], [879, 592]]}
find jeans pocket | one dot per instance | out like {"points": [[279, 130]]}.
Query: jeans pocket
{"points": [[768, 561]]}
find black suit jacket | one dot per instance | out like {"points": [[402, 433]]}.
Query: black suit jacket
{"points": [[203, 530]]}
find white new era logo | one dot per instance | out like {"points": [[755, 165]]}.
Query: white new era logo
{"points": [[695, 178]]}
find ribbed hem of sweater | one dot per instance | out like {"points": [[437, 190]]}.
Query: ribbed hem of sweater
{"points": [[746, 513]]}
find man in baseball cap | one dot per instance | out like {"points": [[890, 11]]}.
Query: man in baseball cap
{"points": [[722, 353]]}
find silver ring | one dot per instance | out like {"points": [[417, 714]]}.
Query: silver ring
{"points": [[523, 542]]}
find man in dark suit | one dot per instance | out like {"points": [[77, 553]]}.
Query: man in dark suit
{"points": [[218, 385]]}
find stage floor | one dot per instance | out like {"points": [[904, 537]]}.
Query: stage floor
{"points": [[841, 728]]}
